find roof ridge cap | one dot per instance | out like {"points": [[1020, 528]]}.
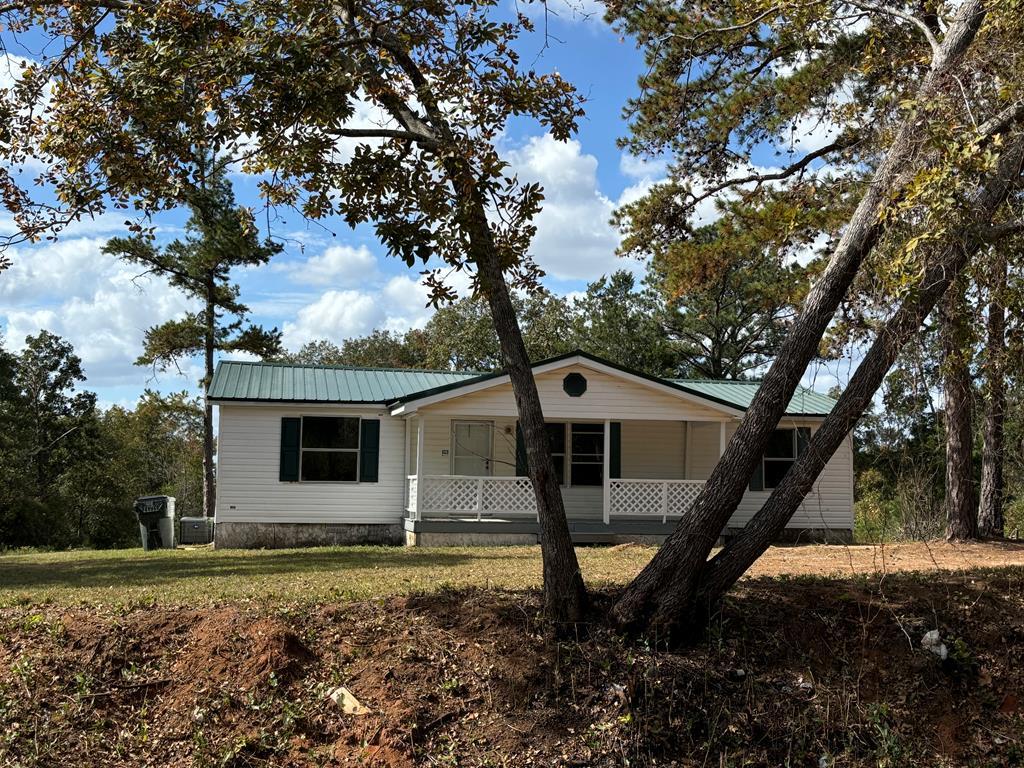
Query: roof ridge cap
{"points": [[339, 367]]}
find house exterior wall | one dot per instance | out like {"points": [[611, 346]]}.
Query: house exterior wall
{"points": [[249, 491], [607, 397], [663, 437], [829, 505]]}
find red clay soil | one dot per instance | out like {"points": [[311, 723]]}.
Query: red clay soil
{"points": [[877, 559], [801, 672]]}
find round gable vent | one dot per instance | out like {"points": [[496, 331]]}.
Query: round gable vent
{"points": [[574, 384]]}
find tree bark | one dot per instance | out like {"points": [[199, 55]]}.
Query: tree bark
{"points": [[209, 342], [742, 551], [660, 596], [565, 595], [961, 519], [990, 508]]}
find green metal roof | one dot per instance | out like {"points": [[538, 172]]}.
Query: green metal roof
{"points": [[282, 382], [805, 402], [236, 380]]}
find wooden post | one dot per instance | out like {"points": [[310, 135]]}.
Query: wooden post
{"points": [[406, 469], [606, 496], [419, 468], [479, 498]]}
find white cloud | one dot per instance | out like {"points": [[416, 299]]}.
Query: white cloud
{"points": [[575, 238], [398, 305], [642, 167], [58, 268], [105, 324], [337, 266]]}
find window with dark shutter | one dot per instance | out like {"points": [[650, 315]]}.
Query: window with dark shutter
{"points": [[330, 449]]}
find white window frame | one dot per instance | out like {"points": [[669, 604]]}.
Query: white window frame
{"points": [[358, 450], [572, 456]]}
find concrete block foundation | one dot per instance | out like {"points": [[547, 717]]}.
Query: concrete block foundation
{"points": [[456, 539], [284, 535]]}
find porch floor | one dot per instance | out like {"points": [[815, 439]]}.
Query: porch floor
{"points": [[582, 531]]}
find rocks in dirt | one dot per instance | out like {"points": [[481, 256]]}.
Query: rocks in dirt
{"points": [[349, 704], [932, 641]]}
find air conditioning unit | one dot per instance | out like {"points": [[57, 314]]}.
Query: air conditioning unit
{"points": [[195, 530]]}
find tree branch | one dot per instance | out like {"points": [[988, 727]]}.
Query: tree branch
{"points": [[785, 173], [890, 11]]}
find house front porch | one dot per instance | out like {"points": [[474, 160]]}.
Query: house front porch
{"points": [[627, 480]]}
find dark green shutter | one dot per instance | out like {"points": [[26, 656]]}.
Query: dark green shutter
{"points": [[291, 429], [369, 450], [521, 466], [757, 480], [803, 438], [615, 460]]}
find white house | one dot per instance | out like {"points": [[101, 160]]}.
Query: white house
{"points": [[322, 454]]}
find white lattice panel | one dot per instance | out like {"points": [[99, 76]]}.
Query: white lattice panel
{"points": [[632, 498], [681, 495], [508, 495], [411, 506], [652, 497], [449, 494]]}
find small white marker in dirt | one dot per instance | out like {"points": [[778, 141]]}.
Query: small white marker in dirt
{"points": [[932, 641], [349, 704]]}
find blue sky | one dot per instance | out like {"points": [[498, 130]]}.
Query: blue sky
{"points": [[332, 282]]}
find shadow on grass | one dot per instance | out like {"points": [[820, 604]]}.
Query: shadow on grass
{"points": [[135, 568]]}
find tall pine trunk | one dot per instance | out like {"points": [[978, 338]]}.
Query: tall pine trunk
{"points": [[961, 520], [661, 596], [209, 342], [743, 550], [565, 595], [990, 508]]}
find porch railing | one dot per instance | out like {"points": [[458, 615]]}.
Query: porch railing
{"points": [[660, 498], [458, 495], [479, 497]]}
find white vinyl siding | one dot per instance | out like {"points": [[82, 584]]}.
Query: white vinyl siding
{"points": [[607, 397], [248, 457], [829, 505]]}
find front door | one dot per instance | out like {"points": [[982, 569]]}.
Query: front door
{"points": [[471, 448]]}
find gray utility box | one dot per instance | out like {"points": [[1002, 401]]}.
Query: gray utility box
{"points": [[195, 530], [156, 521]]}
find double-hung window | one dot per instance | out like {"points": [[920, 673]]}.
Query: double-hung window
{"points": [[784, 447], [587, 454], [330, 448]]}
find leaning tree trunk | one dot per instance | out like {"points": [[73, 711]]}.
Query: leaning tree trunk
{"points": [[565, 596], [660, 597], [961, 522], [990, 508], [209, 341], [742, 551]]}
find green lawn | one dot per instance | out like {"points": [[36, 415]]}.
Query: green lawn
{"points": [[204, 576]]}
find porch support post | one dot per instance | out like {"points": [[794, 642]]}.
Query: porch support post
{"points": [[406, 469], [721, 438], [419, 467], [606, 496]]}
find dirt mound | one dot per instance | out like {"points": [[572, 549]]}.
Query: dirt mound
{"points": [[797, 672]]}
